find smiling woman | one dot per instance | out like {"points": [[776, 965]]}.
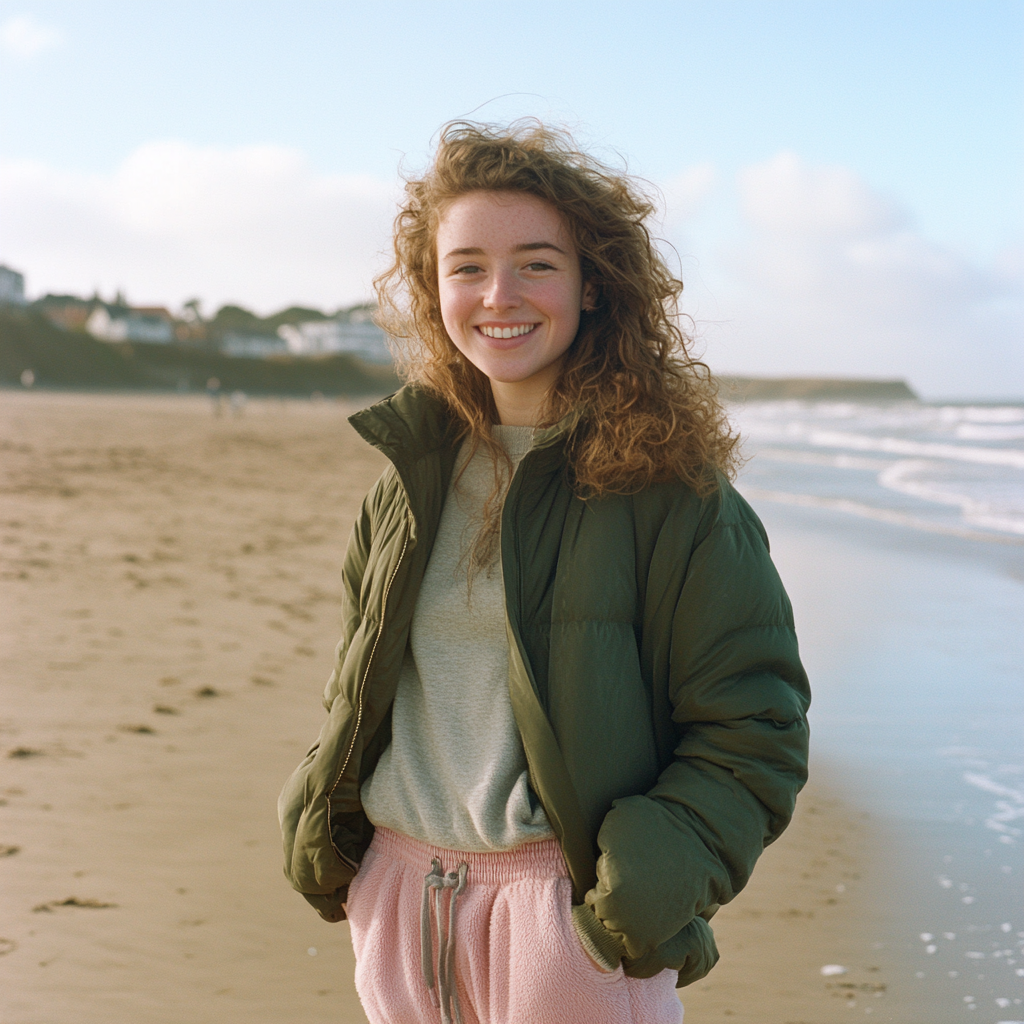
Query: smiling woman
{"points": [[567, 712]]}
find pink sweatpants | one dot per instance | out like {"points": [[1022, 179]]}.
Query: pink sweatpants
{"points": [[507, 950]]}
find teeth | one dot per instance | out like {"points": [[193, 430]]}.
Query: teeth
{"points": [[507, 332]]}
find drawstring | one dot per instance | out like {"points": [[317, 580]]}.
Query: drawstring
{"points": [[437, 880]]}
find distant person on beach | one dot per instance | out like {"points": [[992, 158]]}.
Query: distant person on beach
{"points": [[567, 712], [214, 394]]}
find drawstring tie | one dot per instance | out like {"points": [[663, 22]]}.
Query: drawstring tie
{"points": [[437, 881]]}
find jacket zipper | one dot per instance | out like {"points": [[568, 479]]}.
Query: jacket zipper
{"points": [[359, 698]]}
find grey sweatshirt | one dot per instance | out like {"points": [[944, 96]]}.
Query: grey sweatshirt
{"points": [[455, 772]]}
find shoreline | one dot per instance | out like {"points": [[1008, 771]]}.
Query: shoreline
{"points": [[807, 906], [920, 727]]}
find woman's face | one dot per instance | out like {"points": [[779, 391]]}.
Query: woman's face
{"points": [[511, 290]]}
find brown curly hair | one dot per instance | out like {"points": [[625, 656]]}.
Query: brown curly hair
{"points": [[650, 410]]}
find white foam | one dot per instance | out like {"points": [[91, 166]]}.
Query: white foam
{"points": [[884, 515], [821, 459], [1007, 810], [989, 784], [988, 414], [988, 514], [916, 450], [903, 414], [988, 432], [900, 446]]}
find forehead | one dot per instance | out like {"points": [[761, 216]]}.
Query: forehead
{"points": [[500, 221]]}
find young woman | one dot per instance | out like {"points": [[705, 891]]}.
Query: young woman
{"points": [[567, 712]]}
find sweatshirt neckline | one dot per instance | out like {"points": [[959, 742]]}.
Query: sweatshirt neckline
{"points": [[516, 441]]}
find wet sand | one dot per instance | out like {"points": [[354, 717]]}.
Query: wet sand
{"points": [[169, 607]]}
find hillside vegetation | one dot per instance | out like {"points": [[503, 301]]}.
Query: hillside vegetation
{"points": [[74, 359]]}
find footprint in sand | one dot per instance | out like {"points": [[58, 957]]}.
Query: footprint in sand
{"points": [[72, 901]]}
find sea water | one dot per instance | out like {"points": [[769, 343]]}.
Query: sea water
{"points": [[899, 531], [944, 468]]}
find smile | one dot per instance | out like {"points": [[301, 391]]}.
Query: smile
{"points": [[513, 331]]}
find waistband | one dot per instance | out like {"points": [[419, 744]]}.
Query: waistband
{"points": [[542, 859]]}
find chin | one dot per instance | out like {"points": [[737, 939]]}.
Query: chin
{"points": [[510, 376], [505, 376]]}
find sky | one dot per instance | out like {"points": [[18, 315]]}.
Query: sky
{"points": [[840, 182]]}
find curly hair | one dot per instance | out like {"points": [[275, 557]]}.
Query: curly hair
{"points": [[649, 409]]}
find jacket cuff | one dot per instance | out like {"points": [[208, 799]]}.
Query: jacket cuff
{"points": [[329, 905], [604, 947]]}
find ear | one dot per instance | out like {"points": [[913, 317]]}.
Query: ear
{"points": [[589, 297]]}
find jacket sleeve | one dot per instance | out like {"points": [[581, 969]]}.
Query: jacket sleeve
{"points": [[739, 699], [292, 801], [354, 567]]}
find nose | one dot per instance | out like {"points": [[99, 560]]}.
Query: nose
{"points": [[502, 291]]}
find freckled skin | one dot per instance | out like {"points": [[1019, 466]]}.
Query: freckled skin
{"points": [[502, 283]]}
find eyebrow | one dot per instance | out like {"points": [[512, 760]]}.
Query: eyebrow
{"points": [[525, 247]]}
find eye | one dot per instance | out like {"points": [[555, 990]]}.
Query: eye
{"points": [[539, 265], [468, 268]]}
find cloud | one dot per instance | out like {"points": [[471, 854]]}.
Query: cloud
{"points": [[788, 197], [25, 38], [686, 193], [827, 276], [254, 224]]}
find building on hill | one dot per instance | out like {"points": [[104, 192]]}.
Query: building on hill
{"points": [[69, 312], [69, 317], [12, 287], [152, 324], [361, 338], [253, 346]]}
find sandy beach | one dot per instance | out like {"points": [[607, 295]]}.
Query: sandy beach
{"points": [[170, 607]]}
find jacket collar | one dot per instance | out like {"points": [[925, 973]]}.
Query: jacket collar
{"points": [[407, 425], [413, 423], [550, 436]]}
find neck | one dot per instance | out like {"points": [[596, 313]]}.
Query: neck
{"points": [[521, 403]]}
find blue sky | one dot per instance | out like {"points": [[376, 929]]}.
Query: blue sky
{"points": [[912, 112]]}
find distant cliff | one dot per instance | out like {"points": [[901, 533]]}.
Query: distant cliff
{"points": [[815, 389]]}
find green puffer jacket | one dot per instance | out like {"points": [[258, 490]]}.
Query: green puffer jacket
{"points": [[654, 677]]}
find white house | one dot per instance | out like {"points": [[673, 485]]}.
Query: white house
{"points": [[326, 337], [253, 346], [141, 323], [12, 287]]}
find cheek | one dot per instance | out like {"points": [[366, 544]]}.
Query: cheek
{"points": [[454, 306], [565, 312], [560, 300]]}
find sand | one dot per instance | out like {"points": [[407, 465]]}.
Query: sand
{"points": [[170, 602]]}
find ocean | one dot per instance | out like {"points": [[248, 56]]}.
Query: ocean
{"points": [[956, 469], [899, 532]]}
